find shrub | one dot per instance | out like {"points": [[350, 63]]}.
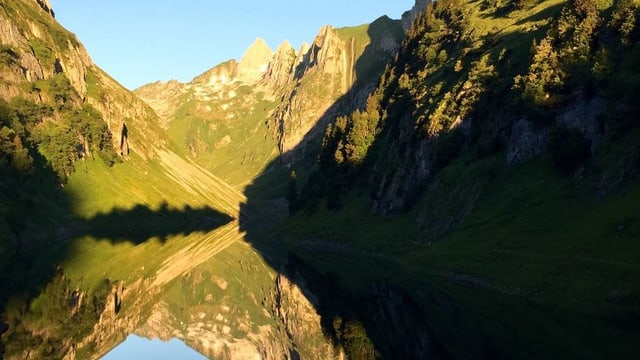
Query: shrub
{"points": [[447, 147], [8, 55]]}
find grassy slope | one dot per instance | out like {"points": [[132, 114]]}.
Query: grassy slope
{"points": [[201, 133]]}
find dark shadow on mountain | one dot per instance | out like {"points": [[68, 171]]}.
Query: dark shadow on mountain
{"points": [[342, 309]]}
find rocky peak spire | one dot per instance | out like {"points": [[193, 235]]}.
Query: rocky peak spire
{"points": [[255, 60], [281, 66]]}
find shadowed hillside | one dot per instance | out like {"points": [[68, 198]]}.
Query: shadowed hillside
{"points": [[469, 209]]}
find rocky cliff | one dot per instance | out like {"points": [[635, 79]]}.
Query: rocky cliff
{"points": [[46, 6], [335, 74], [280, 67], [38, 49]]}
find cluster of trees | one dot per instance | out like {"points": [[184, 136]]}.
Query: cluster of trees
{"points": [[584, 53], [437, 37], [29, 131], [40, 144], [561, 59], [581, 47], [81, 133], [445, 74]]}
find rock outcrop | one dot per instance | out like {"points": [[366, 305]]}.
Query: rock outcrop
{"points": [[321, 76], [525, 141], [46, 6], [280, 67]]}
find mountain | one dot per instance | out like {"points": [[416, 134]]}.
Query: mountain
{"points": [[254, 62], [219, 117], [453, 93], [334, 75], [59, 112]]}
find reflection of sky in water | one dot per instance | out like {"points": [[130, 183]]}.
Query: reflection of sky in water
{"points": [[139, 348]]}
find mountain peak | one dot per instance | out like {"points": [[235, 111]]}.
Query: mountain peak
{"points": [[325, 32], [280, 66], [255, 60], [285, 46]]}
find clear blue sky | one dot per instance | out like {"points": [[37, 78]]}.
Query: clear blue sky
{"points": [[138, 42], [139, 348]]}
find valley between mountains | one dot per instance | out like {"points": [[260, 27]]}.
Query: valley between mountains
{"points": [[462, 182]]}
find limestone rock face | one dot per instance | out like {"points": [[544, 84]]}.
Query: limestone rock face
{"points": [[27, 66], [281, 66], [525, 141], [75, 65], [255, 61], [327, 54], [396, 189], [322, 74], [583, 116]]}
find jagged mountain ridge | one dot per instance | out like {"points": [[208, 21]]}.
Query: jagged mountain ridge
{"points": [[338, 72], [298, 91]]}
